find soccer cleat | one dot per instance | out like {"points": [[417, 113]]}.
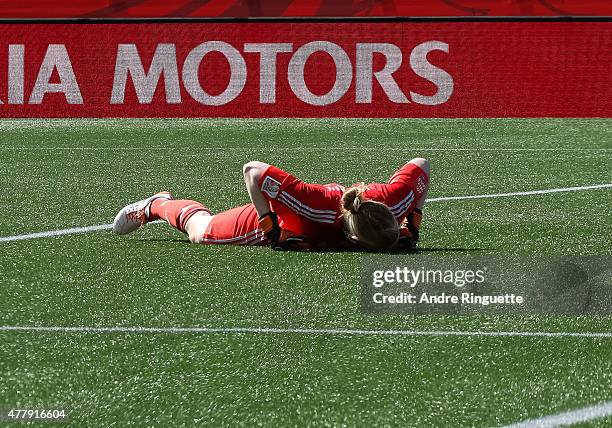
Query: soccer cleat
{"points": [[134, 216]]}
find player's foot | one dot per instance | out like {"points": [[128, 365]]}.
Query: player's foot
{"points": [[134, 216]]}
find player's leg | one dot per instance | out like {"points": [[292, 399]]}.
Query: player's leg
{"points": [[197, 225], [178, 212], [161, 205], [237, 226]]}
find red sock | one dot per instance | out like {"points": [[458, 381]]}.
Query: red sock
{"points": [[176, 212]]}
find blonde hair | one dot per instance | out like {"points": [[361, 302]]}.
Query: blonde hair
{"points": [[371, 222]]}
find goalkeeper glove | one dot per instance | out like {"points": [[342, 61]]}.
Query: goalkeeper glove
{"points": [[281, 240], [269, 225], [290, 242], [409, 230]]}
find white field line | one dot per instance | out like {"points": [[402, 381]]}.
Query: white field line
{"points": [[99, 227], [60, 232], [299, 149], [567, 418], [531, 192], [301, 331]]}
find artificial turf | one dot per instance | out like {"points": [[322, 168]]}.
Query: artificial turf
{"points": [[64, 173]]}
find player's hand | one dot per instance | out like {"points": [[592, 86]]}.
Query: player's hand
{"points": [[291, 242], [281, 240], [269, 226], [407, 240], [409, 231]]}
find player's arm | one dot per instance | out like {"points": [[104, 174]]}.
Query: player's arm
{"points": [[253, 171], [268, 220], [407, 191]]}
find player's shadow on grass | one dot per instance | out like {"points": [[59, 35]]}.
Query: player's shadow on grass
{"points": [[442, 250], [345, 250], [416, 251], [173, 240]]}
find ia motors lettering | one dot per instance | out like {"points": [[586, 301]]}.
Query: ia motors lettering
{"points": [[164, 63], [56, 58]]}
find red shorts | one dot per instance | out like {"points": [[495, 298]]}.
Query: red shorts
{"points": [[238, 226]]}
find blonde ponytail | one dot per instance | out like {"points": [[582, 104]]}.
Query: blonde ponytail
{"points": [[352, 199], [370, 222]]}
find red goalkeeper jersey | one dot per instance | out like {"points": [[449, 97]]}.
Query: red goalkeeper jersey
{"points": [[314, 210]]}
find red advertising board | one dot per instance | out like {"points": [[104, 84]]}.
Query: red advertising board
{"points": [[285, 8], [352, 69]]}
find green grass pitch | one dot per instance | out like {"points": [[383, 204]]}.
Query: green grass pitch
{"points": [[56, 174]]}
